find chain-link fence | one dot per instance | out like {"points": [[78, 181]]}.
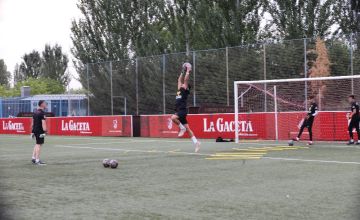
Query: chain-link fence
{"points": [[147, 85], [59, 105]]}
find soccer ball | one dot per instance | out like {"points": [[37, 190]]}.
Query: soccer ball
{"points": [[291, 143], [113, 164], [186, 66], [106, 163]]}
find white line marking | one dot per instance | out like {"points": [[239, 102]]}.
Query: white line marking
{"points": [[9, 156], [201, 154], [311, 160], [104, 143], [125, 142], [338, 144], [132, 150], [260, 144]]}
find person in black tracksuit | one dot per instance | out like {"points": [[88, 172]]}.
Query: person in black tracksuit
{"points": [[354, 120], [182, 94], [38, 131], [309, 120]]}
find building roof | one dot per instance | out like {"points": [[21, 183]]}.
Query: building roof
{"points": [[56, 97]]}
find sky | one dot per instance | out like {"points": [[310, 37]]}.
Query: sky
{"points": [[30, 24]]}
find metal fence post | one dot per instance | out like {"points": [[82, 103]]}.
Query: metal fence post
{"points": [[265, 78], [88, 91], [60, 107], [227, 76], [194, 73], [163, 75], [137, 85], [69, 102], [236, 111], [1, 104], [352, 62], [111, 88], [305, 74], [276, 115], [79, 107], [125, 105]]}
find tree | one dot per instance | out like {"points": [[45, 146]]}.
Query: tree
{"points": [[346, 19], [51, 64], [118, 30], [54, 64], [320, 68], [30, 67], [122, 30], [38, 86], [5, 75], [18, 74], [339, 55], [296, 19]]}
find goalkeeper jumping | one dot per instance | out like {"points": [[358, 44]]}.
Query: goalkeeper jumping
{"points": [[309, 120], [182, 94]]}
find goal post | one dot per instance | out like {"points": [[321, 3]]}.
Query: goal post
{"points": [[279, 105]]}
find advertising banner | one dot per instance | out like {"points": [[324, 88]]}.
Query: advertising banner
{"points": [[15, 125], [251, 126], [116, 126], [73, 126], [327, 126], [78, 126]]}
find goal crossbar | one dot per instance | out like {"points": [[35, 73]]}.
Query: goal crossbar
{"points": [[297, 79]]}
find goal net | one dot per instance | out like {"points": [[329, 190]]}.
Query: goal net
{"points": [[274, 109]]}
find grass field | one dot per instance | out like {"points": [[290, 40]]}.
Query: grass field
{"points": [[164, 179]]}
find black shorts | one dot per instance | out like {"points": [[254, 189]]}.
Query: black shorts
{"points": [[354, 122], [182, 116], [39, 140], [308, 123]]}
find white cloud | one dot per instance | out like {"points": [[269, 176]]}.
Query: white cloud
{"points": [[30, 24]]}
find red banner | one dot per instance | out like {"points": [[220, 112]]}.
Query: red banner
{"points": [[73, 126], [116, 126], [15, 125], [327, 126], [251, 126], [79, 126], [92, 126]]}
